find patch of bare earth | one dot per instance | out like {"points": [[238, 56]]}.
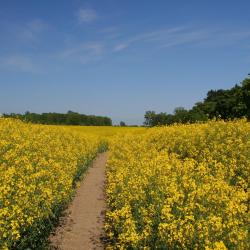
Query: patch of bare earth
{"points": [[82, 225]]}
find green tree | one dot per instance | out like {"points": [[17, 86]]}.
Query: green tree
{"points": [[246, 95], [149, 118], [122, 124]]}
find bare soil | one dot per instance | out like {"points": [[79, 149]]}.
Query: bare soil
{"points": [[82, 227]]}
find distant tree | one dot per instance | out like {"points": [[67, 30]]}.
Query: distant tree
{"points": [[223, 103], [181, 115], [246, 95], [160, 119], [197, 113], [149, 118], [70, 118], [122, 124], [71, 112]]}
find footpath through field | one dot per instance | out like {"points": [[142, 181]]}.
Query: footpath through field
{"points": [[83, 225]]}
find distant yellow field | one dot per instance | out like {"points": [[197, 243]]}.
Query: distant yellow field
{"points": [[106, 131]]}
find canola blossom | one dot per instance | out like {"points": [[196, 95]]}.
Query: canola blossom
{"points": [[39, 166], [180, 187]]}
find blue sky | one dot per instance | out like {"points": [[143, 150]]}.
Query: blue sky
{"points": [[119, 58]]}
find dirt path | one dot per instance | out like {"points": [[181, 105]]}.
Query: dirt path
{"points": [[82, 228]]}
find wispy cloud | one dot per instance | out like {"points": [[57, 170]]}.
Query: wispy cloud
{"points": [[31, 29], [186, 37], [18, 63], [158, 35], [84, 53], [166, 38], [88, 52], [87, 15], [121, 46]]}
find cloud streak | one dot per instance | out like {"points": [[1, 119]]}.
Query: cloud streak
{"points": [[166, 38], [31, 30], [84, 53], [158, 35], [87, 15], [121, 46]]}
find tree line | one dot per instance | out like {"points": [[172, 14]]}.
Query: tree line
{"points": [[220, 104], [70, 118]]}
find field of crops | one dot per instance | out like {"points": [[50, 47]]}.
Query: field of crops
{"points": [[180, 187], [176, 187], [39, 166]]}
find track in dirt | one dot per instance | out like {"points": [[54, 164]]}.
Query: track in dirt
{"points": [[82, 227]]}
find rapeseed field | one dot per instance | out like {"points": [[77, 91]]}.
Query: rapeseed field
{"points": [[39, 169], [180, 187], [173, 187], [39, 166]]}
